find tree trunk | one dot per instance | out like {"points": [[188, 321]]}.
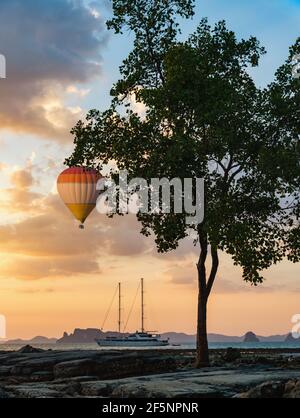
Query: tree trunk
{"points": [[204, 289], [202, 343]]}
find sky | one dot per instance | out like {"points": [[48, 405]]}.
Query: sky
{"points": [[61, 62]]}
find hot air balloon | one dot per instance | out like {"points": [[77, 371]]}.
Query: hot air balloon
{"points": [[77, 187]]}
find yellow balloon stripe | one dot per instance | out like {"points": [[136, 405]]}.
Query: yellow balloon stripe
{"points": [[80, 211]]}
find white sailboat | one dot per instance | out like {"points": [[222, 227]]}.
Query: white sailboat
{"points": [[139, 338]]}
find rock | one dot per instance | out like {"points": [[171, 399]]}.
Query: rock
{"points": [[263, 360], [42, 376], [217, 362], [5, 370], [161, 388], [292, 389], [232, 354], [79, 379], [107, 366], [73, 389], [84, 367], [98, 388], [137, 391], [32, 365], [29, 349], [4, 394], [34, 391], [250, 337], [149, 373], [273, 389]]}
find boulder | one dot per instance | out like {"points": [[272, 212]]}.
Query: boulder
{"points": [[33, 365], [35, 391], [83, 367], [292, 389], [42, 376], [164, 388], [4, 394], [98, 388], [5, 370], [231, 354], [73, 389], [271, 389], [29, 349]]}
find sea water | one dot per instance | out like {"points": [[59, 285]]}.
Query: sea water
{"points": [[219, 345]]}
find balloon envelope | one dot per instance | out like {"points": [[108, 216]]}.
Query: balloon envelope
{"points": [[77, 187]]}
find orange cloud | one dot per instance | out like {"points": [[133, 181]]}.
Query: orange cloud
{"points": [[22, 179], [33, 268], [46, 240]]}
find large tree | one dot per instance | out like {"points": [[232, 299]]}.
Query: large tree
{"points": [[204, 117]]}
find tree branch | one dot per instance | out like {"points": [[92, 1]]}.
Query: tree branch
{"points": [[214, 269], [153, 57]]}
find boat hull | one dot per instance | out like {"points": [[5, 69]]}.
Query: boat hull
{"points": [[124, 343]]}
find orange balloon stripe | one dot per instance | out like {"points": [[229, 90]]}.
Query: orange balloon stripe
{"points": [[79, 178]]}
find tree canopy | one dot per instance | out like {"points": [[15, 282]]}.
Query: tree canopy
{"points": [[205, 117]]}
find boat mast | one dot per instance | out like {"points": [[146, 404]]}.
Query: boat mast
{"points": [[119, 320], [142, 303]]}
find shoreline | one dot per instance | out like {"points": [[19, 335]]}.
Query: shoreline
{"points": [[175, 350]]}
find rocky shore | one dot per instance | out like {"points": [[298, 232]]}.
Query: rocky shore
{"points": [[34, 373]]}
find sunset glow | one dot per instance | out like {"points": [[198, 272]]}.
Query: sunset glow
{"points": [[55, 277]]}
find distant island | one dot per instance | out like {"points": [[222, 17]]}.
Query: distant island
{"points": [[250, 337], [88, 335], [36, 340], [290, 338]]}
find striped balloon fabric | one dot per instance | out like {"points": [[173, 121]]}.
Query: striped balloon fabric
{"points": [[77, 188]]}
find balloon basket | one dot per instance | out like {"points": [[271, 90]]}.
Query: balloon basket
{"points": [[81, 226]]}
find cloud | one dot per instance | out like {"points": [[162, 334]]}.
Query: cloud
{"points": [[230, 282], [36, 290], [182, 273], [77, 91], [22, 179], [46, 240], [33, 268], [185, 273], [123, 237], [49, 233], [48, 244], [48, 46], [20, 198]]}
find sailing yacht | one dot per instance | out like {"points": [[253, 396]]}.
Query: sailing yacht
{"points": [[137, 339]]}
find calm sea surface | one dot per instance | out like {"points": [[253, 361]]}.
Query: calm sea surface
{"points": [[94, 346]]}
